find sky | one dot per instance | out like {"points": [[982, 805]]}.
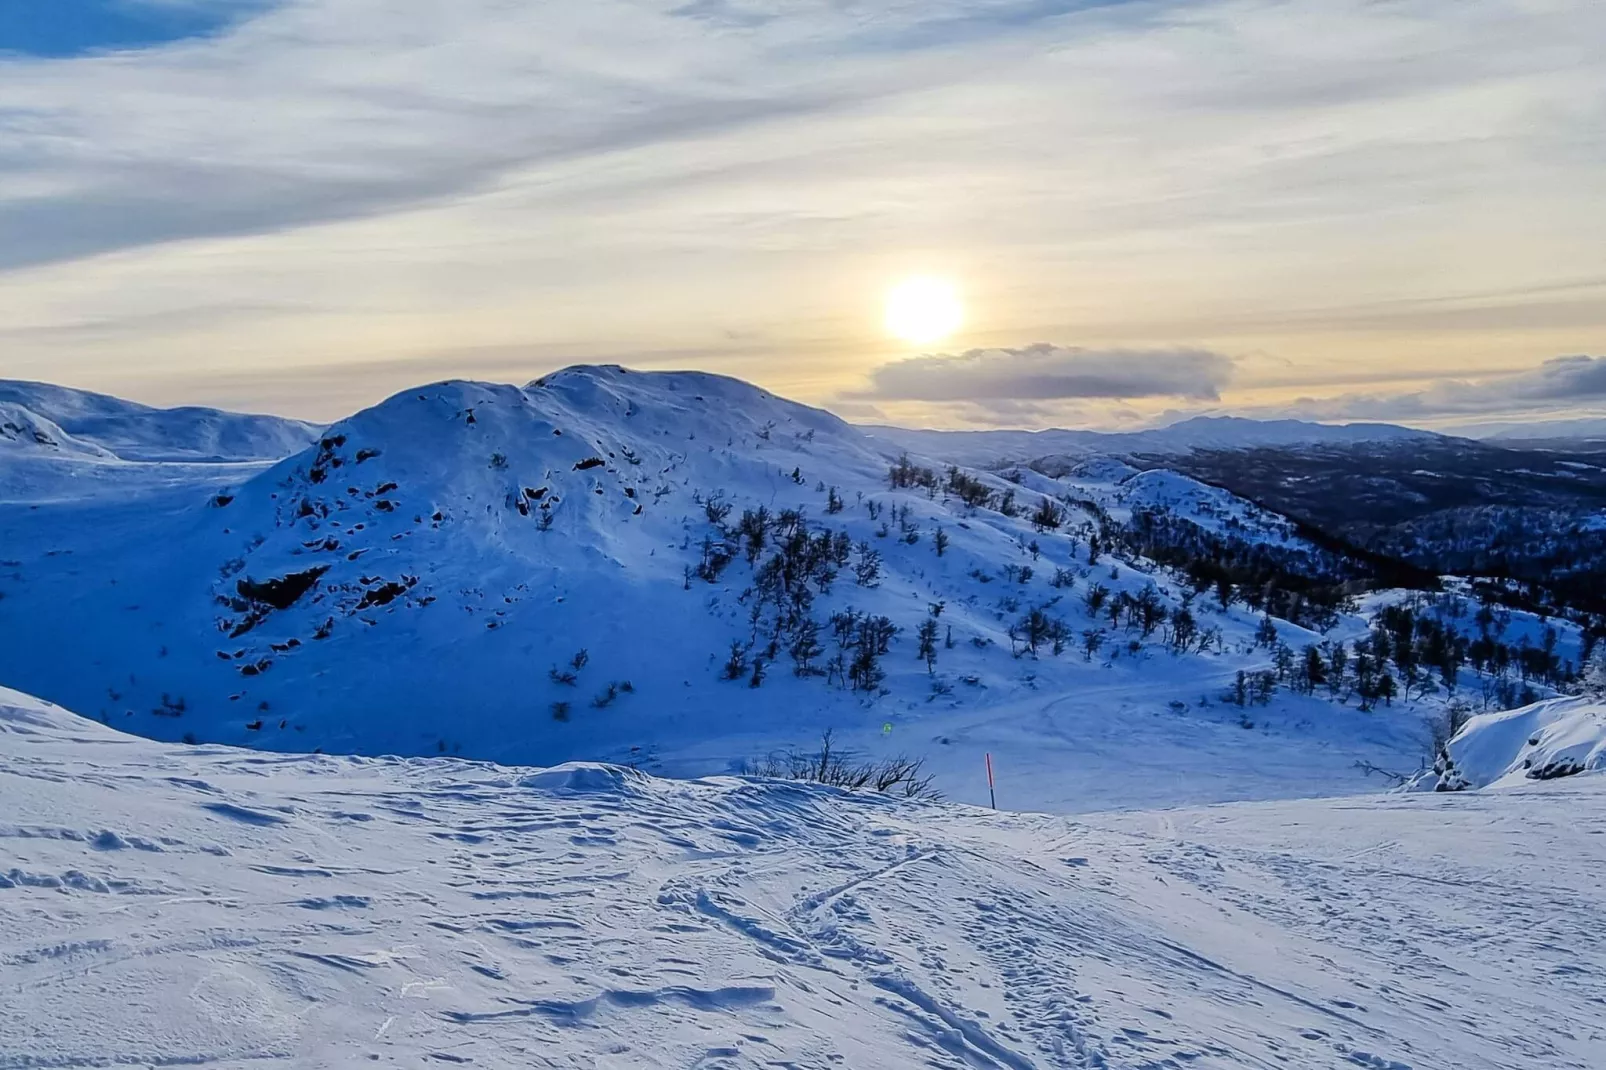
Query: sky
{"points": [[1333, 209]]}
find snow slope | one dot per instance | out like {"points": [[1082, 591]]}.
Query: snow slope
{"points": [[24, 432], [111, 427], [1211, 508], [420, 580], [164, 905], [1544, 741]]}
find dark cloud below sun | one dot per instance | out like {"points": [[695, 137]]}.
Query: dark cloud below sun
{"points": [[1007, 378]]}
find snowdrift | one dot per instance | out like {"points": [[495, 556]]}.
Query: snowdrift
{"points": [[1556, 738], [166, 906]]}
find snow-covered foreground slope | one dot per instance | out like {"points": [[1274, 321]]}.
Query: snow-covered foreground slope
{"points": [[163, 905]]}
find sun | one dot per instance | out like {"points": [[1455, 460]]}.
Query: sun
{"points": [[923, 310]]}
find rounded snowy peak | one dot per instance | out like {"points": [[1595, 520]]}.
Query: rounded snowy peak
{"points": [[585, 410], [130, 431], [611, 388]]}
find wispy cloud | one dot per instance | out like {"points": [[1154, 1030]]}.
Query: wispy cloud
{"points": [[1558, 385], [320, 110], [366, 181]]}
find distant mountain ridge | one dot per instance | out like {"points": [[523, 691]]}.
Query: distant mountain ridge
{"points": [[50, 419], [1195, 433], [86, 423]]}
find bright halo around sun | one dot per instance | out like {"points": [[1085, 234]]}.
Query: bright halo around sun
{"points": [[923, 310]]}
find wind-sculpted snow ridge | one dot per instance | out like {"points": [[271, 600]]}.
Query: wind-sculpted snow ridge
{"points": [[111, 428], [1545, 741], [164, 905]]}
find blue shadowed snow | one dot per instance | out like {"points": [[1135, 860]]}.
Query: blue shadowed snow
{"points": [[64, 28]]}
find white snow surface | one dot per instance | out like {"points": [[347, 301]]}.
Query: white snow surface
{"points": [[111, 428], [164, 905], [438, 603], [1211, 508], [1549, 739], [24, 432]]}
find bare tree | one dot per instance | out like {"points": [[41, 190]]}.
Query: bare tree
{"points": [[902, 776]]}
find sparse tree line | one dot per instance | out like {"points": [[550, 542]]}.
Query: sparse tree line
{"points": [[1313, 581], [1302, 584], [1310, 582], [1146, 613], [1410, 653], [1413, 652], [569, 675], [1552, 561], [792, 566], [1046, 515]]}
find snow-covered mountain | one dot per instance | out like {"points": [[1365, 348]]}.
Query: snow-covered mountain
{"points": [[57, 419], [680, 571], [1525, 512], [164, 905], [990, 448]]}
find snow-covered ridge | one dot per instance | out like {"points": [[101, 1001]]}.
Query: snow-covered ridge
{"points": [[23, 431], [1585, 428], [1544, 741], [1211, 508], [96, 425], [165, 905]]}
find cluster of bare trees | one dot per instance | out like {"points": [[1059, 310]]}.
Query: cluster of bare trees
{"points": [[901, 775]]}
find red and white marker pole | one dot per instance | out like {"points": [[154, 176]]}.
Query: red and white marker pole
{"points": [[991, 794]]}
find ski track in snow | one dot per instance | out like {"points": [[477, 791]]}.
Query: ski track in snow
{"points": [[164, 905]]}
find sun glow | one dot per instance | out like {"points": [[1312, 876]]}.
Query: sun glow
{"points": [[923, 310]]}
